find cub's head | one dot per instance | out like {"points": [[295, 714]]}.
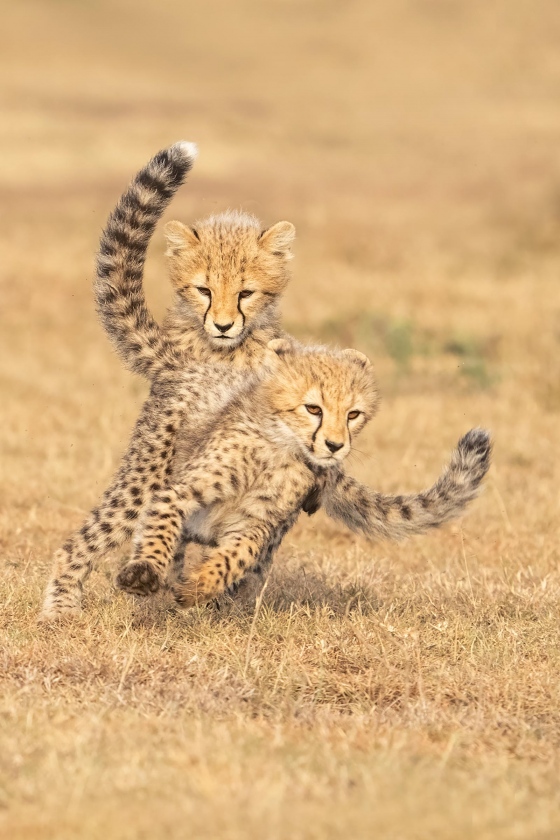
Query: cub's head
{"points": [[228, 272], [320, 398]]}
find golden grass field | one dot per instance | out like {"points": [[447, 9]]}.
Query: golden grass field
{"points": [[379, 691]]}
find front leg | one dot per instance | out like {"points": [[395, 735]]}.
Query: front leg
{"points": [[154, 544], [238, 552], [250, 585], [159, 535]]}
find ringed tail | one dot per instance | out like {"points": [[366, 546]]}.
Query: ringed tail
{"points": [[380, 516], [118, 286]]}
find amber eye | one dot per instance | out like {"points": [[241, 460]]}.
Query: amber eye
{"points": [[314, 409], [353, 414], [245, 293], [204, 291]]}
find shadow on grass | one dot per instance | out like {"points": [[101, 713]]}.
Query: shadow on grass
{"points": [[288, 589]]}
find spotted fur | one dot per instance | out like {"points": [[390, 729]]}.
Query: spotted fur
{"points": [[118, 285], [240, 485], [195, 371], [381, 516], [240, 478], [226, 271]]}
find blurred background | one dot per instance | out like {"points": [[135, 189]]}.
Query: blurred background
{"points": [[414, 144]]}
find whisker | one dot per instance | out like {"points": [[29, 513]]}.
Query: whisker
{"points": [[357, 451]]}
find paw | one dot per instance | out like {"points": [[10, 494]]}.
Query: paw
{"points": [[196, 590], [185, 596], [60, 603], [138, 578], [53, 615]]}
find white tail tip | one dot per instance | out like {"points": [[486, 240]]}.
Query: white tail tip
{"points": [[187, 149]]}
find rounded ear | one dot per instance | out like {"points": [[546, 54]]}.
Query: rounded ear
{"points": [[179, 238], [278, 239], [358, 357], [280, 346], [276, 350]]}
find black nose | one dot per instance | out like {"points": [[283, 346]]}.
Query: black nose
{"points": [[334, 447], [223, 328]]}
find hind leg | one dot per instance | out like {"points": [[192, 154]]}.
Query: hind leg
{"points": [[107, 527], [144, 467]]}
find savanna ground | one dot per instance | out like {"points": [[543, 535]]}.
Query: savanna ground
{"points": [[405, 691]]}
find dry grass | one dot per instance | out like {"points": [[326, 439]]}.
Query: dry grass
{"points": [[387, 691]]}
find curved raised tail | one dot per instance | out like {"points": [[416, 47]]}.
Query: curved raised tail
{"points": [[379, 516], [118, 286]]}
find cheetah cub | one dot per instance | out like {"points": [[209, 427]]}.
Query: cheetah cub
{"points": [[240, 485], [248, 476], [227, 274]]}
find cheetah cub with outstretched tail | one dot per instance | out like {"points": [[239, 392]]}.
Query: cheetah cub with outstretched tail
{"points": [[240, 483], [243, 481]]}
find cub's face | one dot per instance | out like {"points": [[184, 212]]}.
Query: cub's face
{"points": [[321, 398], [229, 273]]}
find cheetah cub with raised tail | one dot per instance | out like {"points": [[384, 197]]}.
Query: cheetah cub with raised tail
{"points": [[246, 479], [227, 274], [240, 484]]}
